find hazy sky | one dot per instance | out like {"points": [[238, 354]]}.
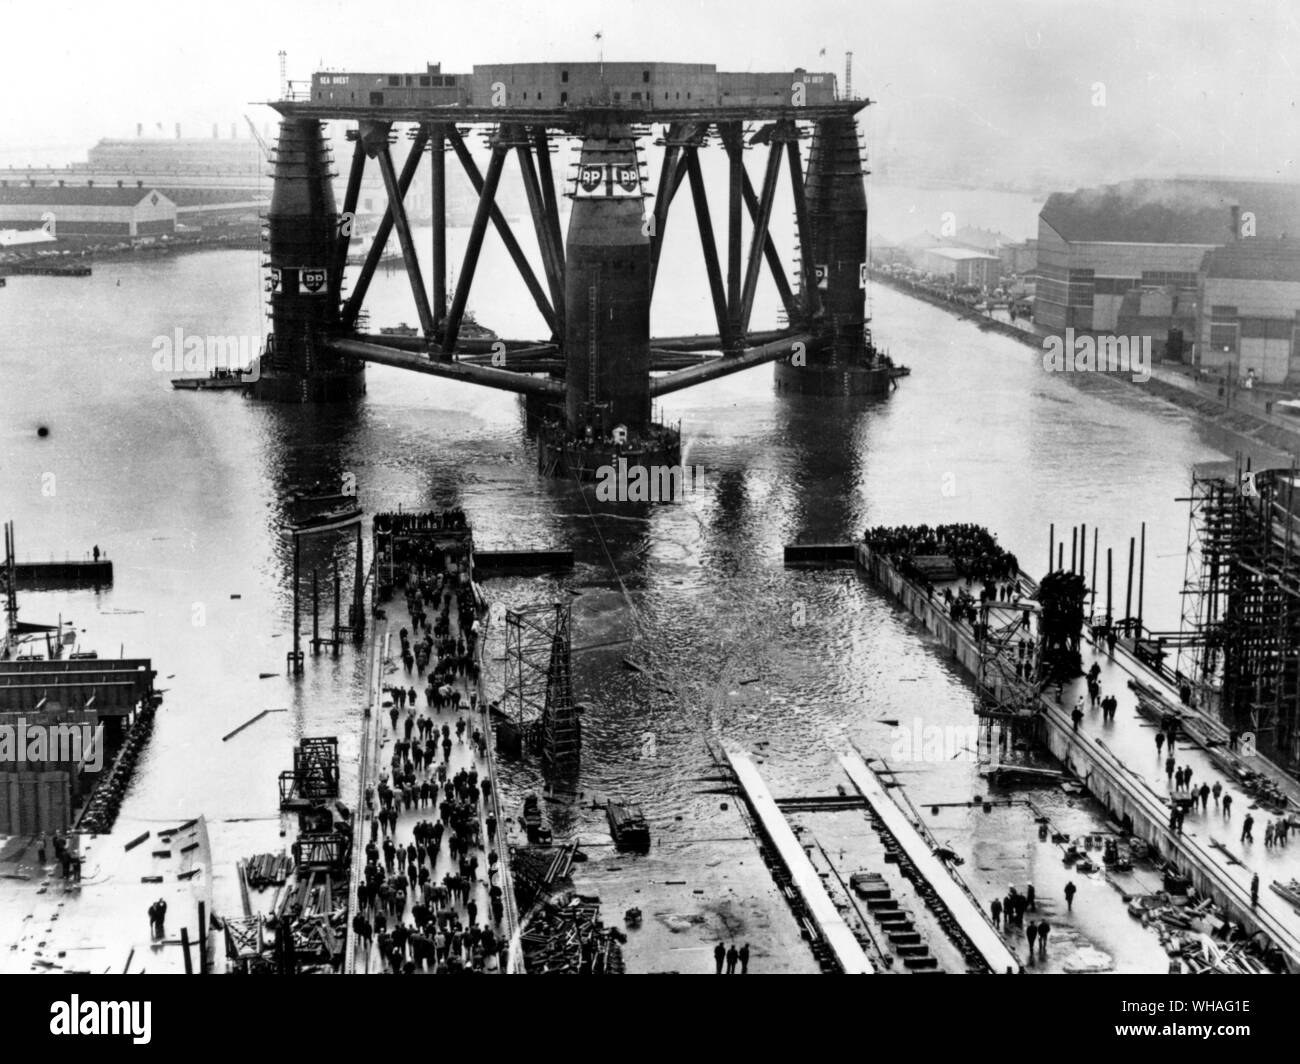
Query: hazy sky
{"points": [[1188, 86]]}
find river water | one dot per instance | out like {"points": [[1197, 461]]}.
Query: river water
{"points": [[183, 491]]}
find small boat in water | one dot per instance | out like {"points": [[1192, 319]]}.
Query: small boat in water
{"points": [[219, 379], [399, 330], [327, 520], [627, 825], [532, 822]]}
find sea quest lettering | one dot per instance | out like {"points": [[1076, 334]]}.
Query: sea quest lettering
{"points": [[77, 1017]]}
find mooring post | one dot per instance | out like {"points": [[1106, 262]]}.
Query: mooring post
{"points": [[185, 948]]}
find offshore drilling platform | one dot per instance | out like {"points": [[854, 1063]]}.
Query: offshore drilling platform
{"points": [[594, 377]]}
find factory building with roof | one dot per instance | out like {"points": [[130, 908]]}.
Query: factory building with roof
{"points": [[1097, 246], [1249, 295], [963, 266], [87, 210]]}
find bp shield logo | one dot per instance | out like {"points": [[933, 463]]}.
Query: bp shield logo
{"points": [[590, 178], [313, 281], [822, 273], [275, 279], [628, 179], [1246, 744]]}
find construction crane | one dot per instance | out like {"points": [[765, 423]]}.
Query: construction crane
{"points": [[266, 150]]}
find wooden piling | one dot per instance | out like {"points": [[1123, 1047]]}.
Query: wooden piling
{"points": [[1142, 573], [1109, 573], [203, 938], [1128, 595]]}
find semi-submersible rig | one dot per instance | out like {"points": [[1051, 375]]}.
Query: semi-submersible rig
{"points": [[594, 378]]}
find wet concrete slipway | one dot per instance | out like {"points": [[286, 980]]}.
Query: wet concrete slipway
{"points": [[184, 493]]}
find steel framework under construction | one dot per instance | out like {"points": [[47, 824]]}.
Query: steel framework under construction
{"points": [[539, 684], [1240, 645]]}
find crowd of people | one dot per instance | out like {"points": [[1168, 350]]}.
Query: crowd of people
{"points": [[420, 919], [974, 550]]}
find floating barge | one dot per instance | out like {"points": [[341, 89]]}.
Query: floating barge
{"points": [[628, 826]]}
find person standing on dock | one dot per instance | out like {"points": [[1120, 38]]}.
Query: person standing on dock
{"points": [[1043, 928], [1031, 933], [1076, 714], [1030, 903], [95, 553], [1205, 797], [1227, 807], [1160, 742], [732, 957], [1216, 790], [1254, 891], [719, 955], [1169, 769], [744, 959], [1246, 825], [1070, 891]]}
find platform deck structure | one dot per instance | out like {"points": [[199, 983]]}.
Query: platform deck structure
{"points": [[847, 950], [592, 286]]}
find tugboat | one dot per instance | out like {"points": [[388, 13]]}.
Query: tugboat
{"points": [[219, 379], [628, 827]]}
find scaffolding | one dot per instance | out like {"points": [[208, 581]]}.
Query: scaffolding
{"points": [[1005, 685], [1240, 647], [539, 684]]}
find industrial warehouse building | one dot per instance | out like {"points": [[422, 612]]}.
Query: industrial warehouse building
{"points": [[87, 210], [962, 266], [1250, 310], [1097, 246]]}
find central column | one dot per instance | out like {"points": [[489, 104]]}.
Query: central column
{"points": [[607, 289]]}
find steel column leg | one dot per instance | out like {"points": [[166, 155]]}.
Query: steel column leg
{"points": [[507, 236], [398, 209], [485, 200]]}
